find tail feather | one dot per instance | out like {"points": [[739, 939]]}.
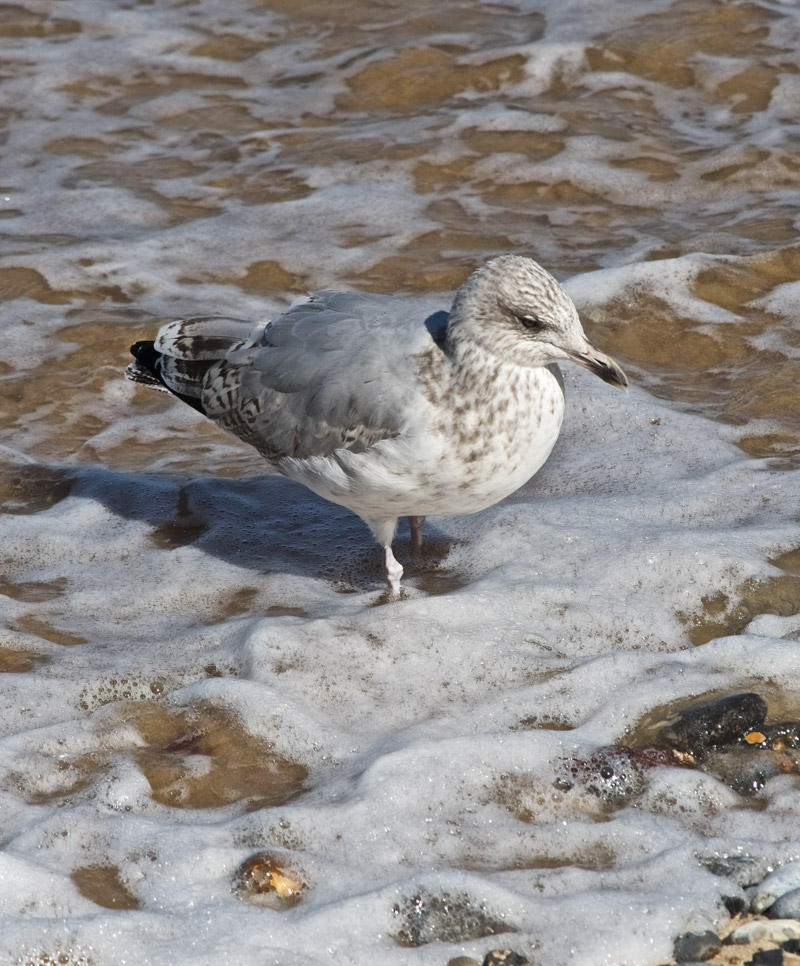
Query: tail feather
{"points": [[182, 353], [207, 338], [137, 373]]}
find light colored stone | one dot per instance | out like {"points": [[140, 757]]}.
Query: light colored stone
{"points": [[776, 884], [760, 930]]}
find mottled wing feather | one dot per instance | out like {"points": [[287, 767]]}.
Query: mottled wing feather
{"points": [[336, 371], [184, 376]]}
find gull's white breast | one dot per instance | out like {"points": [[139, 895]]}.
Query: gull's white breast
{"points": [[470, 439]]}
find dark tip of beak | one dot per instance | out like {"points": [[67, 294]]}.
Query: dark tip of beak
{"points": [[601, 365]]}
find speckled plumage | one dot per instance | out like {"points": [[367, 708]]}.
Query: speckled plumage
{"points": [[376, 408]]}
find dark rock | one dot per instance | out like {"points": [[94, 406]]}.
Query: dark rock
{"points": [[768, 957], [744, 870], [715, 724], [696, 946], [786, 906], [791, 946], [734, 904]]}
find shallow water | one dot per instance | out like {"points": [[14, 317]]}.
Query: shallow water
{"points": [[199, 659]]}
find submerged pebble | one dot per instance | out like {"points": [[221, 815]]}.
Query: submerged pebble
{"points": [[614, 774], [427, 917], [745, 870], [504, 957], [745, 772], [265, 879], [699, 730]]}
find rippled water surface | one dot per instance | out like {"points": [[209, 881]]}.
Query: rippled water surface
{"points": [[198, 660]]}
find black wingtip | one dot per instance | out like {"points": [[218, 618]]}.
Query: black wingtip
{"points": [[145, 353]]}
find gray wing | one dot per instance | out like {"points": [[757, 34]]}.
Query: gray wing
{"points": [[337, 371]]}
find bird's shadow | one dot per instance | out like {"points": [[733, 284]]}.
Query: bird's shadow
{"points": [[264, 523]]}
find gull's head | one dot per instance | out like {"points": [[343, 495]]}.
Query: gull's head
{"points": [[516, 310]]}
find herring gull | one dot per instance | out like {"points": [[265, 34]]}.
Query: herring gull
{"points": [[377, 408]]}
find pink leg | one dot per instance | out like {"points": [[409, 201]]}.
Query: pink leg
{"points": [[416, 523]]}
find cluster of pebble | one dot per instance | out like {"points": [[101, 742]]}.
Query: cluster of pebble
{"points": [[729, 738], [726, 737], [765, 930]]}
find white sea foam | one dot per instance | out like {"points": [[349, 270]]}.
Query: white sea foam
{"points": [[403, 712]]}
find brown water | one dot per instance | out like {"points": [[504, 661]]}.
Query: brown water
{"points": [[600, 171]]}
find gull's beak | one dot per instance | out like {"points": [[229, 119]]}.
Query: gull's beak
{"points": [[601, 365]]}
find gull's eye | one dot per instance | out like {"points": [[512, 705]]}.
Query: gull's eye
{"points": [[531, 321]]}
